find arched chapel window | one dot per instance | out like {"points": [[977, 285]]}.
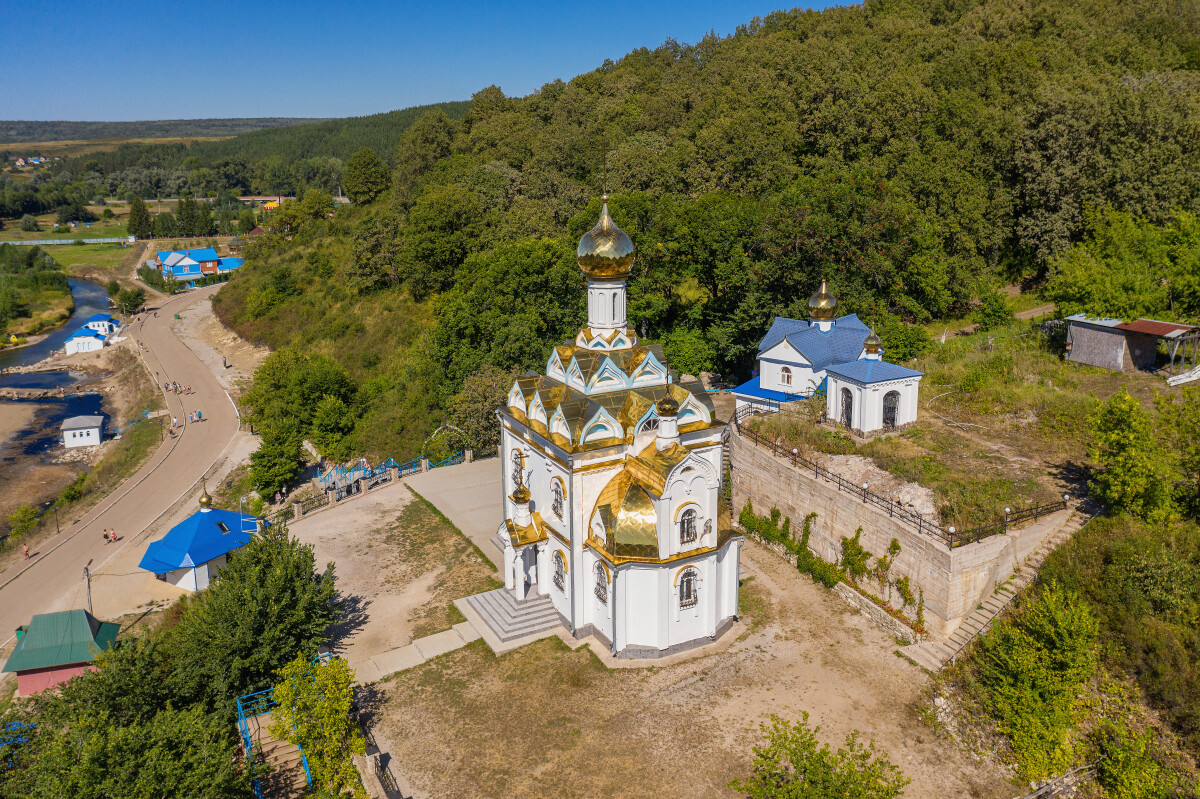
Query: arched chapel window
{"points": [[560, 571], [557, 500], [688, 595], [687, 526], [649, 425], [785, 375], [601, 584]]}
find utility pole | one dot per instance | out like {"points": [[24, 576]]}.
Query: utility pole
{"points": [[87, 578]]}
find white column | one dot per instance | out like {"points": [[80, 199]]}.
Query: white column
{"points": [[509, 556], [543, 568], [519, 575]]}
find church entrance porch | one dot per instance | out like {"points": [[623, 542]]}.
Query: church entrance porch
{"points": [[510, 620]]}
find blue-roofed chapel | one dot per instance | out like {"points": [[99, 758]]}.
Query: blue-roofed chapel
{"points": [[192, 553], [838, 356]]}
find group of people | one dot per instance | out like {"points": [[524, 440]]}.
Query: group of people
{"points": [[178, 389], [193, 416], [111, 537]]}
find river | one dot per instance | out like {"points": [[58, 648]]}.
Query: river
{"points": [[90, 298]]}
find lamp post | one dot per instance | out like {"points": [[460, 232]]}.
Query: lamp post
{"points": [[1006, 512], [952, 535], [864, 492]]}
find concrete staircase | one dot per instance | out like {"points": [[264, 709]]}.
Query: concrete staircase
{"points": [[286, 780], [933, 655], [509, 619]]}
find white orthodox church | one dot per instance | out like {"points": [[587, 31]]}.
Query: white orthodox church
{"points": [[613, 504], [837, 356]]}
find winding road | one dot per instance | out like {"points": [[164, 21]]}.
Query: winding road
{"points": [[52, 579]]}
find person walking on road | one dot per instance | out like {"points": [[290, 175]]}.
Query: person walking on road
{"points": [[25, 551], [174, 421]]}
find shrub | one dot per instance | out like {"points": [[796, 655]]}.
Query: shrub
{"points": [[1032, 668], [21, 521], [795, 765], [854, 556], [1128, 768], [827, 574], [29, 223], [904, 588]]}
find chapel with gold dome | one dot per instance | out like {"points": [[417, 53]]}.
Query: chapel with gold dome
{"points": [[838, 357], [613, 506]]}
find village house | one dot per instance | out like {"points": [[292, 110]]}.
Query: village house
{"points": [[190, 266], [55, 647], [196, 549], [103, 323]]}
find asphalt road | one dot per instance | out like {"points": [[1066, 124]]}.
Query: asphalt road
{"points": [[53, 579]]}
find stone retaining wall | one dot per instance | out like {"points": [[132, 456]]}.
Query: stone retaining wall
{"points": [[954, 580]]}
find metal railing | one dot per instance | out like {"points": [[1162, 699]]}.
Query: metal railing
{"points": [[951, 538], [453, 460]]}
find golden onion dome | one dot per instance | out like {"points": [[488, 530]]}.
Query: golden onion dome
{"points": [[873, 343], [205, 499], [521, 494], [605, 251], [822, 306], [667, 406]]}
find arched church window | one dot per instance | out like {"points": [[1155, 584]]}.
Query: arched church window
{"points": [[785, 375], [687, 526], [649, 425], [847, 408], [688, 595], [891, 405], [560, 571], [557, 500], [601, 584], [518, 467]]}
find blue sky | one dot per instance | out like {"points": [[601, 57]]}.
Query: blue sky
{"points": [[180, 60]]}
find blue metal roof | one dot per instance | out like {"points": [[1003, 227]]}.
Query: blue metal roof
{"points": [[869, 371], [230, 263], [86, 332], [841, 343], [101, 317], [203, 254], [751, 388], [198, 539]]}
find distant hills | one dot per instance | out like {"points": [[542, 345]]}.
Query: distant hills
{"points": [[42, 131]]}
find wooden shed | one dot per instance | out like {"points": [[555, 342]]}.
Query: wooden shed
{"points": [[57, 646], [1128, 346]]}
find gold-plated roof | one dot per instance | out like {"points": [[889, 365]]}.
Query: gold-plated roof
{"points": [[521, 494], [667, 406], [626, 510], [873, 343], [531, 533], [605, 251], [822, 306]]}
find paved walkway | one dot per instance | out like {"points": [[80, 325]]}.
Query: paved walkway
{"points": [[470, 496], [53, 580]]}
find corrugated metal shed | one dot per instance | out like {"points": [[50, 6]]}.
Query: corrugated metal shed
{"points": [[1153, 327]]}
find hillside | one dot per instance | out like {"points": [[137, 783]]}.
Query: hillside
{"points": [[12, 131], [915, 156]]}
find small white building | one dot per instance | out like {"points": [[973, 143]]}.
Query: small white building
{"points": [[82, 431], [835, 355], [196, 549], [102, 323], [85, 340]]}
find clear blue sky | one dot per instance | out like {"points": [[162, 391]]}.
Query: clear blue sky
{"points": [[180, 60]]}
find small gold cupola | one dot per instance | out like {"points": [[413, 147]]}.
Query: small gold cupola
{"points": [[205, 499], [605, 252], [873, 344], [822, 306]]}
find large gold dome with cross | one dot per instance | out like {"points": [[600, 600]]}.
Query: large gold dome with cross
{"points": [[822, 306], [605, 251]]}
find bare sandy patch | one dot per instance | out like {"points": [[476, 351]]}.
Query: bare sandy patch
{"points": [[547, 721]]}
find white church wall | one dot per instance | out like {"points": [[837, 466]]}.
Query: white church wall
{"points": [[561, 597], [698, 620], [640, 600]]}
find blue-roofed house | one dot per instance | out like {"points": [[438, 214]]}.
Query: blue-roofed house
{"points": [[226, 265], [190, 266], [103, 323], [85, 339], [192, 553], [800, 358]]}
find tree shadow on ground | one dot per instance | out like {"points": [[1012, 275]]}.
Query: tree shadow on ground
{"points": [[1075, 475], [354, 617], [368, 704]]}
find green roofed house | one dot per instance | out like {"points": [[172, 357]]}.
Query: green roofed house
{"points": [[57, 646]]}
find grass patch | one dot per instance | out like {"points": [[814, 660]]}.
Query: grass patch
{"points": [[426, 541]]}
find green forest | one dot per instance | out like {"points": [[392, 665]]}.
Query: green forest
{"points": [[13, 131], [31, 282], [917, 155]]}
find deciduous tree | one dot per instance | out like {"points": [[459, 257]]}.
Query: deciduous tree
{"points": [[365, 177]]}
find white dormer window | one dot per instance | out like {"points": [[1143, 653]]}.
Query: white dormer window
{"points": [[649, 426]]}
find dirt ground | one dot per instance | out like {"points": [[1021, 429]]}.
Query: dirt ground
{"points": [[546, 721], [211, 340], [399, 565]]}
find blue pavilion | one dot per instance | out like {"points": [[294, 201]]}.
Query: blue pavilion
{"points": [[192, 553]]}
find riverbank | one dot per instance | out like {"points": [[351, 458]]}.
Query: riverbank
{"points": [[35, 468]]}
